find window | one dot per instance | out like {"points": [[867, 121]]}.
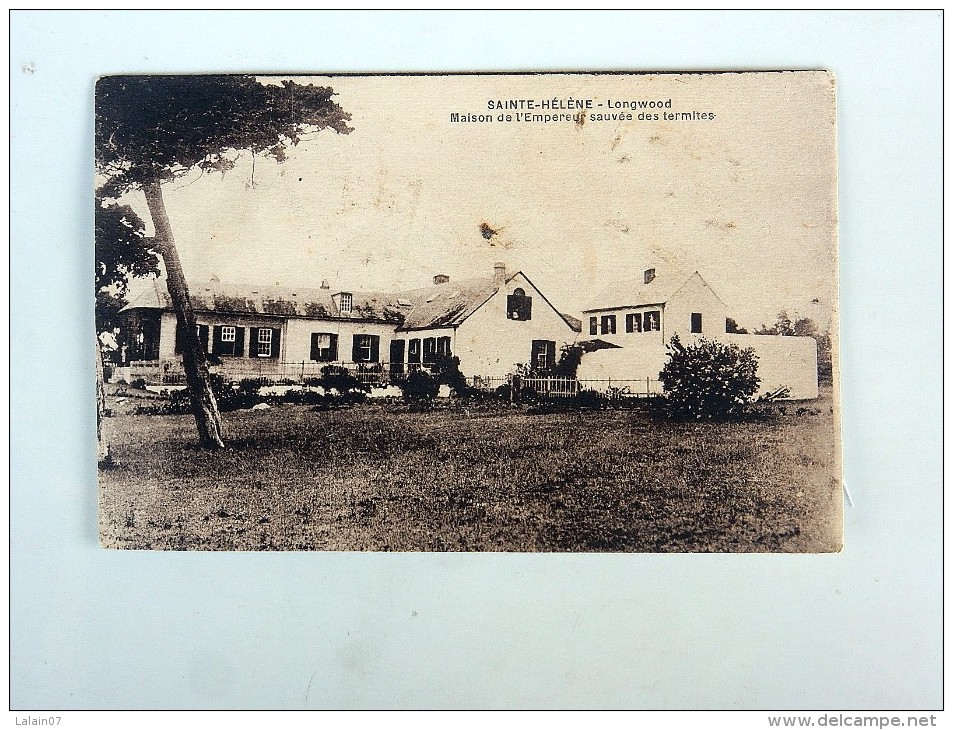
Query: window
{"points": [[633, 322], [226, 340], [365, 348], [519, 306], [543, 355], [324, 346], [696, 322], [397, 356], [264, 342], [347, 302], [593, 325], [652, 321], [443, 346], [202, 330], [413, 352], [430, 350], [608, 324]]}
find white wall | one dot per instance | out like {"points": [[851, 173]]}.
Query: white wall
{"points": [[782, 361], [298, 337], [489, 344], [787, 361], [694, 296]]}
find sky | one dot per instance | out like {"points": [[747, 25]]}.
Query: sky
{"points": [[747, 198]]}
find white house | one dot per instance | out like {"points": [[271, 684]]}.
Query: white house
{"points": [[635, 319], [491, 324]]}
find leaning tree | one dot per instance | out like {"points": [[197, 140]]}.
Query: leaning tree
{"points": [[153, 129]]}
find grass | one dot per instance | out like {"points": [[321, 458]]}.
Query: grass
{"points": [[378, 477]]}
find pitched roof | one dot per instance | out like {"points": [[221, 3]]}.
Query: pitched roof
{"points": [[437, 306], [275, 301], [635, 292], [445, 305]]}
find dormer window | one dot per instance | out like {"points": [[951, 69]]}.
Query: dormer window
{"points": [[519, 307], [346, 303]]}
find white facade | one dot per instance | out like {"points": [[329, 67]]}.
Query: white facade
{"points": [[690, 310], [491, 343]]}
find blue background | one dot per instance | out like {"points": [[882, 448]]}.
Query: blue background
{"points": [[92, 628]]}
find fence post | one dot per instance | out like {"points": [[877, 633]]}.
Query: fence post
{"points": [[647, 391]]}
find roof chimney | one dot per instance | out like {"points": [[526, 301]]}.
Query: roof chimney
{"points": [[649, 275], [499, 272], [441, 279], [324, 284]]}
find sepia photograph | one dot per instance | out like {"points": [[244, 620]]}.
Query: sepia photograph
{"points": [[583, 312]]}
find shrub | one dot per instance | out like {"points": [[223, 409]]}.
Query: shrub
{"points": [[708, 380], [589, 399], [569, 358], [340, 379], [419, 386], [446, 370]]}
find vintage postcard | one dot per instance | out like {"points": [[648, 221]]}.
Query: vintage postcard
{"points": [[515, 312]]}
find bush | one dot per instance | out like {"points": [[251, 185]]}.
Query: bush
{"points": [[419, 386], [446, 369], [708, 380], [338, 378]]}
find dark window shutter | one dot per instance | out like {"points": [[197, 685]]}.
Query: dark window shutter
{"points": [[430, 349], [239, 341], [550, 353], [356, 348], [527, 308], [413, 351], [593, 326], [252, 342], [203, 336], [315, 346], [375, 348], [333, 349], [179, 338], [217, 340], [275, 342]]}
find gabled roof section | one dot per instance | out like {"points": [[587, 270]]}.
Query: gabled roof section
{"points": [[575, 324], [445, 305], [433, 307], [636, 293], [274, 301]]}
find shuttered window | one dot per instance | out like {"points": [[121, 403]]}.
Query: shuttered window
{"points": [[365, 348], [593, 325], [652, 321], [608, 324], [633, 322], [324, 346], [228, 340], [203, 332], [413, 352], [543, 354], [519, 306], [443, 346], [264, 342], [430, 350], [696, 322]]}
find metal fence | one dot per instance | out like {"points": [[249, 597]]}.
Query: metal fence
{"points": [[169, 372]]}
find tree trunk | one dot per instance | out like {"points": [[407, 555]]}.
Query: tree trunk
{"points": [[103, 456], [207, 417]]}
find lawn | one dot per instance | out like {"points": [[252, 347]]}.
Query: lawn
{"points": [[490, 477]]}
